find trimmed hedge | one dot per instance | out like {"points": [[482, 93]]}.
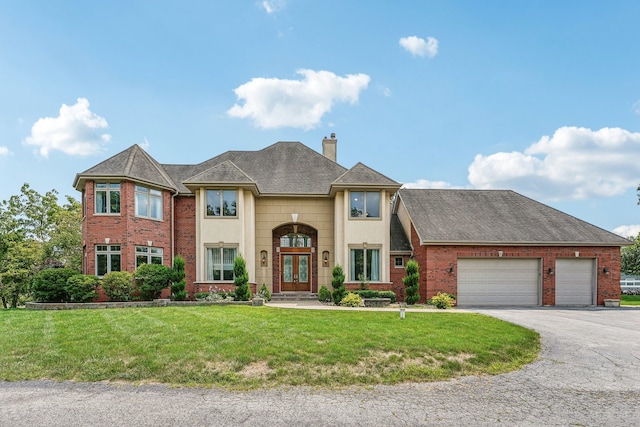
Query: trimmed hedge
{"points": [[368, 293]]}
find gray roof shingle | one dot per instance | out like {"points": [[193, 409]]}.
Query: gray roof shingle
{"points": [[399, 240], [282, 168], [496, 217]]}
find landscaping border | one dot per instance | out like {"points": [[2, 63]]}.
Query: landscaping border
{"points": [[124, 304]]}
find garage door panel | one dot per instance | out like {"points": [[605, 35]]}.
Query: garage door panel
{"points": [[575, 281], [498, 282]]}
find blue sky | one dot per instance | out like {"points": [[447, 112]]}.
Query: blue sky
{"points": [[541, 97]]}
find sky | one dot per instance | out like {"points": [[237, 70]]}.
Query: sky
{"points": [[538, 97]]}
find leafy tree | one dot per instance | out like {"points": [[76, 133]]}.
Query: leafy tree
{"points": [[337, 282], [241, 279], [179, 284], [152, 279], [411, 282], [630, 258], [35, 232]]}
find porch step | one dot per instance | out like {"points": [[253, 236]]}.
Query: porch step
{"points": [[294, 296]]}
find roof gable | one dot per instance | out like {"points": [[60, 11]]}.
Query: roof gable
{"points": [[496, 217], [133, 163], [362, 175]]}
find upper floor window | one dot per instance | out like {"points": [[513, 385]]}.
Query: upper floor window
{"points": [[365, 264], [222, 203], [107, 197], [148, 202], [108, 258], [148, 255], [365, 204]]}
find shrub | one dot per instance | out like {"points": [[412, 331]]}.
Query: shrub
{"points": [[201, 296], [324, 294], [178, 284], [48, 285], [82, 288], [412, 282], [442, 300], [351, 300], [241, 279], [151, 279], [118, 285], [369, 293], [338, 284], [264, 293]]}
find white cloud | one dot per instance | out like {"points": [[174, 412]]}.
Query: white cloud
{"points": [[423, 183], [575, 163], [275, 103], [4, 151], [76, 131], [628, 231], [272, 6], [419, 47]]}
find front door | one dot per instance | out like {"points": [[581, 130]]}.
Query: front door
{"points": [[295, 273]]}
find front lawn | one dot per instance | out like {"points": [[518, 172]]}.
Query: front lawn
{"points": [[239, 347], [629, 299]]}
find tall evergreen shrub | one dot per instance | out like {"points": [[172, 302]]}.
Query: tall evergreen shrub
{"points": [[411, 282], [241, 279], [338, 284], [178, 284]]}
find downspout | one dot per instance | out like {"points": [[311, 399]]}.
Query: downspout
{"points": [[173, 208]]}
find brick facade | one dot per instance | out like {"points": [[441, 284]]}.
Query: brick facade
{"points": [[436, 262]]}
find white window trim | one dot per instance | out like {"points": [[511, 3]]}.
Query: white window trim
{"points": [[107, 190], [110, 251], [149, 196]]}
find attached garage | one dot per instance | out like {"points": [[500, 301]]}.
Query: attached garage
{"points": [[499, 282], [575, 281]]}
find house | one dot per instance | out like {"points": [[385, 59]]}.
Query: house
{"points": [[294, 214]]}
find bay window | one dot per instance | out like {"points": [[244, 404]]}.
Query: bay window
{"points": [[107, 197], [148, 202], [108, 259]]}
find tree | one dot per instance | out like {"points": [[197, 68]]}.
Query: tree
{"points": [[630, 258], [35, 232], [241, 279], [411, 282], [337, 282]]}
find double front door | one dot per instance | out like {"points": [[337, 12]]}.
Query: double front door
{"points": [[295, 274]]}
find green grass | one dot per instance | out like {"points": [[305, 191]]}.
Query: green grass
{"points": [[629, 299], [249, 347]]}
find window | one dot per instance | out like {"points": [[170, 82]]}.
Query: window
{"points": [[398, 262], [220, 263], [107, 259], [222, 202], [148, 202], [365, 204], [365, 264], [107, 197], [148, 255]]}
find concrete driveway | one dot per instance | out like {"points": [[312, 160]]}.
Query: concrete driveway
{"points": [[588, 374]]}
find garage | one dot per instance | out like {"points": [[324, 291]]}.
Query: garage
{"points": [[499, 282], [575, 281]]}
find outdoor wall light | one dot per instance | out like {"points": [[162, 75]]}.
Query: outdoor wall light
{"points": [[450, 269], [263, 258], [605, 270], [325, 258], [551, 272]]}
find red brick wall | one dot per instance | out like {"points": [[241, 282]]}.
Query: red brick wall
{"points": [[435, 262], [124, 229], [185, 237]]}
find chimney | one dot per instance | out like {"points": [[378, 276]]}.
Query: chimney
{"points": [[329, 147]]}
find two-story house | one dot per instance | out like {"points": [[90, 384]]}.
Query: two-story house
{"points": [[291, 212], [294, 214]]}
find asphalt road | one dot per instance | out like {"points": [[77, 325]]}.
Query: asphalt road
{"points": [[588, 375]]}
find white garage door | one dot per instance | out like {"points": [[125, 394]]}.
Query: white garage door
{"points": [[574, 281], [499, 281]]}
